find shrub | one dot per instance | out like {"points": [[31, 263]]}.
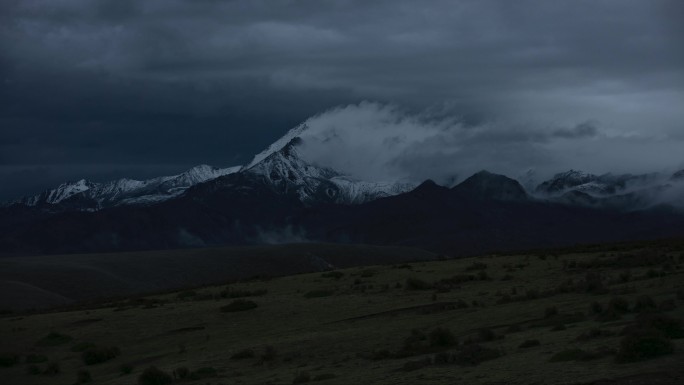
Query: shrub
{"points": [[243, 354], [33, 370], [154, 376], [318, 293], [239, 305], [83, 377], [52, 369], [333, 274], [417, 284], [667, 305], [228, 293], [35, 358], [186, 294], [201, 373], [571, 355], [410, 366], [324, 376], [476, 266], [442, 338], [619, 304], [595, 308], [486, 335], [413, 342], [644, 303], [550, 312], [54, 339], [126, 369], [367, 273], [475, 354], [643, 344], [593, 334], [97, 355], [181, 373], [8, 359], [269, 353], [82, 346], [670, 327], [301, 378], [529, 344]]}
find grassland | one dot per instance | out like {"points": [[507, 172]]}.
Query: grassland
{"points": [[594, 316]]}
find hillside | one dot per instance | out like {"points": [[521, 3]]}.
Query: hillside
{"points": [[602, 315]]}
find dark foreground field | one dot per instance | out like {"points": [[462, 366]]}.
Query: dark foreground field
{"points": [[609, 315], [59, 280]]}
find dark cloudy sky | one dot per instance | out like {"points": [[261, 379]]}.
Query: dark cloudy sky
{"points": [[110, 88]]}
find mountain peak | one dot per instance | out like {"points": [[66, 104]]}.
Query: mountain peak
{"points": [[565, 180], [288, 140], [487, 185]]}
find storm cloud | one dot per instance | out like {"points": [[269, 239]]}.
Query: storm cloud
{"points": [[103, 89]]}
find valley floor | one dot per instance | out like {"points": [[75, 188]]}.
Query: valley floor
{"points": [[607, 315]]}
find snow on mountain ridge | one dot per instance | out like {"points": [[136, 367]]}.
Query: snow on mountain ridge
{"points": [[276, 146], [127, 191]]}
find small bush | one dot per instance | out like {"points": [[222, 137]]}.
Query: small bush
{"points": [[619, 304], [670, 327], [243, 354], [550, 312], [593, 334], [442, 338], [486, 335], [54, 339], [35, 358], [571, 355], [324, 376], [269, 354], [476, 266], [301, 378], [228, 293], [367, 273], [417, 284], [52, 369], [475, 354], [8, 359], [33, 370], [643, 344], [126, 369], [186, 294], [333, 274], [83, 377], [94, 356], [82, 346], [411, 366], [239, 305], [154, 376], [181, 373], [529, 344], [667, 305], [318, 293], [644, 303], [202, 373]]}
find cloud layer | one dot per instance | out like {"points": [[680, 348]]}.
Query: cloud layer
{"points": [[375, 141], [161, 85]]}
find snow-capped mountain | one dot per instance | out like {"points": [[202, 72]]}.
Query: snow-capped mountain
{"points": [[282, 167], [595, 185], [623, 191], [86, 195]]}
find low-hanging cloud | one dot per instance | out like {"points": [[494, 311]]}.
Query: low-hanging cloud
{"points": [[374, 141]]}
